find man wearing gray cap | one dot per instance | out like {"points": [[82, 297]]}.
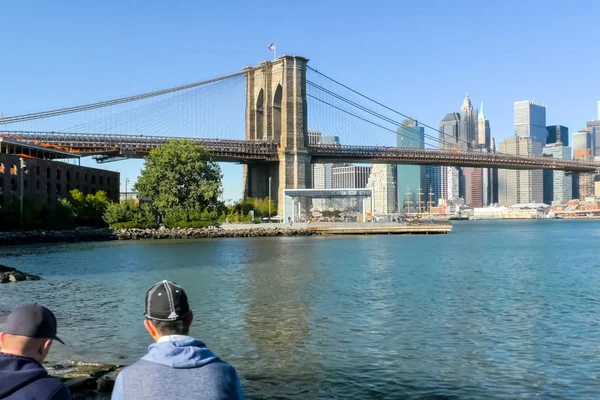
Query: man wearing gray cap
{"points": [[24, 344]]}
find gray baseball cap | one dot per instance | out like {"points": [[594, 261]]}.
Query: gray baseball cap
{"points": [[32, 320]]}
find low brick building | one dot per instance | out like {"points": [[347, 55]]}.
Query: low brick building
{"points": [[52, 179]]}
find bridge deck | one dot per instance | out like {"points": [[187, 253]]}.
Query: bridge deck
{"points": [[112, 147]]}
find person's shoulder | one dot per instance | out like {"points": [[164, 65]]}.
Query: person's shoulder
{"points": [[53, 387]]}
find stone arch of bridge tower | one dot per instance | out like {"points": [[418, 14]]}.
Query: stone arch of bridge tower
{"points": [[277, 116], [260, 115]]}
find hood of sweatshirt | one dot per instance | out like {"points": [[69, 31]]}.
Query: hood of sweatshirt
{"points": [[181, 352], [17, 372]]}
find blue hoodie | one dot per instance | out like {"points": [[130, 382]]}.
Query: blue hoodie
{"points": [[178, 367], [23, 378]]}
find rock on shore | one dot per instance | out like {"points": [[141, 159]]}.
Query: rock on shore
{"points": [[8, 274], [86, 380], [202, 233]]}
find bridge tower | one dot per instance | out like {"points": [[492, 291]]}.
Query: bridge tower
{"points": [[276, 109]]}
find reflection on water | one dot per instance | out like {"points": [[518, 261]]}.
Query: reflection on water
{"points": [[278, 289], [491, 311]]}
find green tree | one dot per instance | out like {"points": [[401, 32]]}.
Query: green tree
{"points": [[180, 175], [86, 210]]}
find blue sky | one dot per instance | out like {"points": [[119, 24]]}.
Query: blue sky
{"points": [[417, 57]]}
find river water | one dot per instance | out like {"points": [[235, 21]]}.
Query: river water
{"points": [[494, 310]]}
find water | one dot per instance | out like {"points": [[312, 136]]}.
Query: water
{"points": [[494, 310]]}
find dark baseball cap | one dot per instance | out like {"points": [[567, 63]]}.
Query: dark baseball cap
{"points": [[166, 301], [32, 320]]}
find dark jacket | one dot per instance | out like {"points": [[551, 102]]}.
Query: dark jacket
{"points": [[23, 378], [178, 367]]}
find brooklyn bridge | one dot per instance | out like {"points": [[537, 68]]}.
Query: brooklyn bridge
{"points": [[263, 125]]}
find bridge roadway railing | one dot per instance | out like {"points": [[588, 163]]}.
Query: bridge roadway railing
{"points": [[263, 150], [328, 153], [137, 145]]}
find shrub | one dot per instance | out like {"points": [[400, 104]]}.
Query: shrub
{"points": [[129, 215]]}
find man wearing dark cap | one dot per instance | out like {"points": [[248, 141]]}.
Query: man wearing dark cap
{"points": [[177, 366], [24, 344]]}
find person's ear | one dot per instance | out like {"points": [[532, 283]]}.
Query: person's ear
{"points": [[191, 317], [152, 329], [44, 348], [1, 339]]}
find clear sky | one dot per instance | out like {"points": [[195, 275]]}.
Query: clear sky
{"points": [[418, 57]]}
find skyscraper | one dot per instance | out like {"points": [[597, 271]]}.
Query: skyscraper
{"points": [[558, 185], [433, 184], [467, 132], [583, 144], [410, 178], [449, 176], [483, 129], [448, 128], [557, 134], [520, 186], [478, 180], [594, 128], [473, 186], [383, 183], [530, 121], [350, 176]]}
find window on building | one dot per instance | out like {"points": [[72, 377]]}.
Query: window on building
{"points": [[93, 179], [13, 170], [58, 174], [1, 168], [48, 173], [76, 176], [48, 188], [85, 177], [101, 180], [13, 185], [68, 176], [37, 170], [38, 186]]}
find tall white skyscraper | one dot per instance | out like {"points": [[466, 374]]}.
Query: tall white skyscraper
{"points": [[530, 121], [483, 129], [383, 183]]}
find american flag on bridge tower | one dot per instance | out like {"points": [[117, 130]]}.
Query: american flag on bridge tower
{"points": [[273, 49]]}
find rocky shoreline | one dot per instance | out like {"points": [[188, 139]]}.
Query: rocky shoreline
{"points": [[86, 380], [104, 234]]}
